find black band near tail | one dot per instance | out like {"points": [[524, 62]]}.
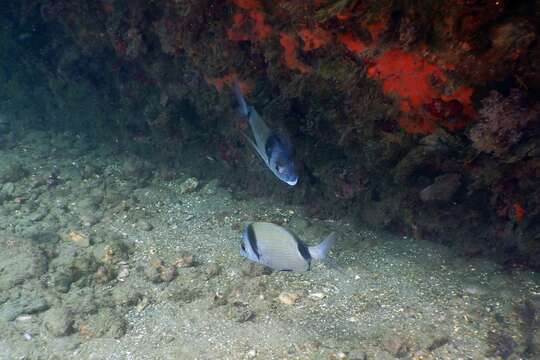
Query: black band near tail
{"points": [[304, 251], [252, 239]]}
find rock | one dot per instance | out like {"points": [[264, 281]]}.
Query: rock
{"points": [[212, 270], [184, 295], [111, 251], [20, 264], [78, 238], [218, 300], [89, 171], [144, 225], [501, 345], [438, 342], [168, 273], [90, 218], [239, 312], [142, 304], [184, 261], [26, 303], [189, 186], [357, 355], [123, 273], [152, 273], [288, 298], [105, 323], [211, 187], [383, 355], [8, 188], [255, 269], [317, 296], [136, 169], [62, 281], [103, 275], [416, 159], [58, 322], [125, 295], [158, 272], [396, 346], [251, 354], [443, 188], [298, 223], [12, 173], [81, 301], [39, 215]]}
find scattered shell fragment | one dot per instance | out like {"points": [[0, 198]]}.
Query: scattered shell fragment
{"points": [[24, 318], [102, 274], [79, 238], [317, 296], [123, 273], [142, 304], [108, 254], [288, 298]]}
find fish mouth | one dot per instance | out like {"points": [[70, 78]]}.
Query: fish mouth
{"points": [[292, 182]]}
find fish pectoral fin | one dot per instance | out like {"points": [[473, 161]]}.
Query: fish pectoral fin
{"points": [[259, 151]]}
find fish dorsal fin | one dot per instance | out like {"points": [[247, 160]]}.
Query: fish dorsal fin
{"points": [[259, 129], [262, 154]]}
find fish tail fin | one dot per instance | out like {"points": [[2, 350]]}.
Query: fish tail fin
{"points": [[240, 98], [319, 252]]}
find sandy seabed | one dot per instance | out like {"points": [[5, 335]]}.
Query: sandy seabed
{"points": [[103, 257]]}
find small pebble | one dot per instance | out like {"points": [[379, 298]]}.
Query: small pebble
{"points": [[288, 298], [168, 273], [251, 354], [189, 186], [184, 261]]}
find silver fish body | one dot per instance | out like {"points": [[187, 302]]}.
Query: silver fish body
{"points": [[279, 249], [268, 144]]}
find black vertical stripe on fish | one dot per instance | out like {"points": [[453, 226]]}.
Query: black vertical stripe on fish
{"points": [[303, 250], [271, 143], [253, 240]]}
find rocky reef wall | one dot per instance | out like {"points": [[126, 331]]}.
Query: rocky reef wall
{"points": [[421, 117]]}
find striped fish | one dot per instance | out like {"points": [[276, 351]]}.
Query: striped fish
{"points": [[274, 149], [279, 249]]}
